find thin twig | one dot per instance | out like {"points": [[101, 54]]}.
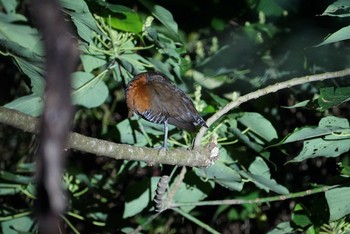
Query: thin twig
{"points": [[257, 200], [267, 90]]}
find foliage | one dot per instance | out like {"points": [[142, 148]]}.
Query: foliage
{"points": [[270, 146]]}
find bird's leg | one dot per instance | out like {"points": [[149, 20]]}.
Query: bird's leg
{"points": [[165, 144]]}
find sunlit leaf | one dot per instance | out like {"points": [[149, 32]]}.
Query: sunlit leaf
{"points": [[192, 189], [17, 225], [282, 228], [91, 62], [338, 202], [300, 216], [82, 18], [223, 172], [340, 8], [259, 125], [327, 126], [259, 174], [88, 90], [9, 5], [31, 105], [129, 134], [163, 15], [139, 196], [23, 35], [330, 97], [340, 35]]}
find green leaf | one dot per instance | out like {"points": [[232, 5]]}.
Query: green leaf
{"points": [[91, 62], [9, 189], [139, 196], [309, 132], [327, 126], [22, 35], [340, 35], [332, 121], [325, 148], [259, 167], [223, 172], [82, 18], [88, 90], [17, 225], [10, 5], [299, 104], [30, 61], [330, 97], [163, 15], [19, 179], [259, 125], [338, 202], [282, 228], [130, 135], [123, 18], [127, 21], [31, 105], [340, 8], [259, 174], [331, 139], [246, 140], [270, 8], [193, 189], [300, 216], [34, 70]]}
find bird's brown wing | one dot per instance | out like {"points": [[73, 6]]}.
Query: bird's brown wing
{"points": [[174, 104]]}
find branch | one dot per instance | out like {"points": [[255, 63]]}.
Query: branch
{"points": [[61, 57], [269, 89], [257, 200], [199, 157]]}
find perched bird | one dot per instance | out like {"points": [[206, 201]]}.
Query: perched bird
{"points": [[155, 98]]}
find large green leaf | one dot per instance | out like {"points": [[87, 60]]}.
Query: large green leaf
{"points": [[163, 15], [259, 174], [31, 105], [323, 148], [327, 126], [338, 202], [329, 139], [20, 34], [340, 8], [223, 172], [91, 62], [34, 70], [122, 17], [259, 125], [30, 61], [17, 225], [139, 196], [82, 18], [88, 90], [340, 35], [129, 134], [9, 5], [330, 97], [193, 189], [282, 228]]}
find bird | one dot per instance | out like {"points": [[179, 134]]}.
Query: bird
{"points": [[155, 98]]}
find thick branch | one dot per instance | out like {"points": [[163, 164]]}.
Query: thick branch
{"points": [[200, 157], [264, 91], [61, 56]]}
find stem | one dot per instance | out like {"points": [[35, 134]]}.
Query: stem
{"points": [[196, 221], [262, 92], [257, 200]]}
